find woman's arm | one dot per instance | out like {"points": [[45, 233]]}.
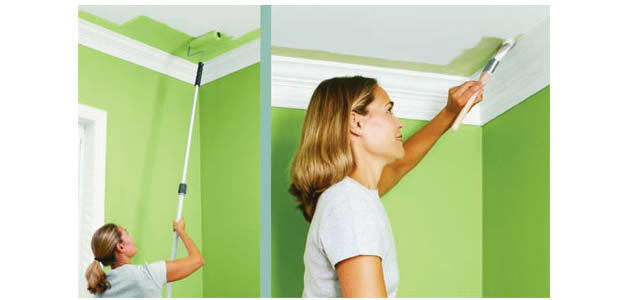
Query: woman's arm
{"points": [[181, 268], [417, 146], [361, 276]]}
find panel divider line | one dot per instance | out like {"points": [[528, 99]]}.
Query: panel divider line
{"points": [[265, 151]]}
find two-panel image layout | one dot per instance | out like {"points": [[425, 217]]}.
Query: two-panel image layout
{"points": [[313, 151]]}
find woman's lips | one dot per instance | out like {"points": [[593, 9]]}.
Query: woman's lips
{"points": [[399, 138]]}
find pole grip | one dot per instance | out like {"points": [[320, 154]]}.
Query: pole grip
{"points": [[181, 189], [199, 71]]}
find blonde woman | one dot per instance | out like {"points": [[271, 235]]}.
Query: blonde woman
{"points": [[351, 152], [112, 246]]}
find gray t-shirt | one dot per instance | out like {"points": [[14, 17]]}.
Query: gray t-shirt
{"points": [[349, 220], [136, 281]]}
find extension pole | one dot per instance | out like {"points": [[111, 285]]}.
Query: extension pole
{"points": [[181, 190]]}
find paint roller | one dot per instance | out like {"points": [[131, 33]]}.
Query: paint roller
{"points": [[196, 44], [491, 66], [201, 42]]}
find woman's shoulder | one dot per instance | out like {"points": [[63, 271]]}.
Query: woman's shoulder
{"points": [[336, 192], [155, 271], [145, 267], [342, 194]]}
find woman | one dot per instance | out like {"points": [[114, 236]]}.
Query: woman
{"points": [[112, 246], [351, 152]]}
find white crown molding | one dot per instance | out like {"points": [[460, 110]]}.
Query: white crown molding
{"points": [[523, 72], [120, 46], [418, 95], [231, 61]]}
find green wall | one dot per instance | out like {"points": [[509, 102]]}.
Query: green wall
{"points": [[148, 114], [288, 227], [516, 201], [450, 242], [435, 213], [230, 175], [147, 126]]}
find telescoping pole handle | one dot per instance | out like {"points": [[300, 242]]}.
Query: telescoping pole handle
{"points": [[181, 190]]}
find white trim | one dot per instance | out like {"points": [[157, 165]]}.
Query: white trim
{"points": [[92, 189], [120, 46], [523, 72], [417, 95], [95, 121], [231, 61], [420, 95]]}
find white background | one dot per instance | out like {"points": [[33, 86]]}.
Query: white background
{"points": [[589, 149]]}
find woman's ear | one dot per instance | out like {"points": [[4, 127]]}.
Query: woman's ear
{"points": [[355, 124], [120, 247]]}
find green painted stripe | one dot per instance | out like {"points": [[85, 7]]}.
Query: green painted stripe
{"points": [[170, 40], [466, 64]]}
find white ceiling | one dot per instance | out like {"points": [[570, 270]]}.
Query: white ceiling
{"points": [[192, 20], [426, 34]]}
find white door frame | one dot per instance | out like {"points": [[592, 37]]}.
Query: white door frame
{"points": [[92, 184]]}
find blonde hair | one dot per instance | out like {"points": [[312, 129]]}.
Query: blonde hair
{"points": [[324, 155], [104, 243]]}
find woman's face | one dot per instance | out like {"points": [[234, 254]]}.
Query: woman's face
{"points": [[381, 129], [127, 246]]}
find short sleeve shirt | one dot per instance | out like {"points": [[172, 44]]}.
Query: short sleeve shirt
{"points": [[136, 281], [349, 220]]}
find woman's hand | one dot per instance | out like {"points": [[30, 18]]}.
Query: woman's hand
{"points": [[179, 226], [181, 268], [417, 146], [459, 95]]}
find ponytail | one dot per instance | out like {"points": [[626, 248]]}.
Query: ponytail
{"points": [[104, 243], [96, 278]]}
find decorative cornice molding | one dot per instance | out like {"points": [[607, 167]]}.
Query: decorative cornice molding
{"points": [[417, 95], [118, 45], [523, 72], [234, 60]]}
